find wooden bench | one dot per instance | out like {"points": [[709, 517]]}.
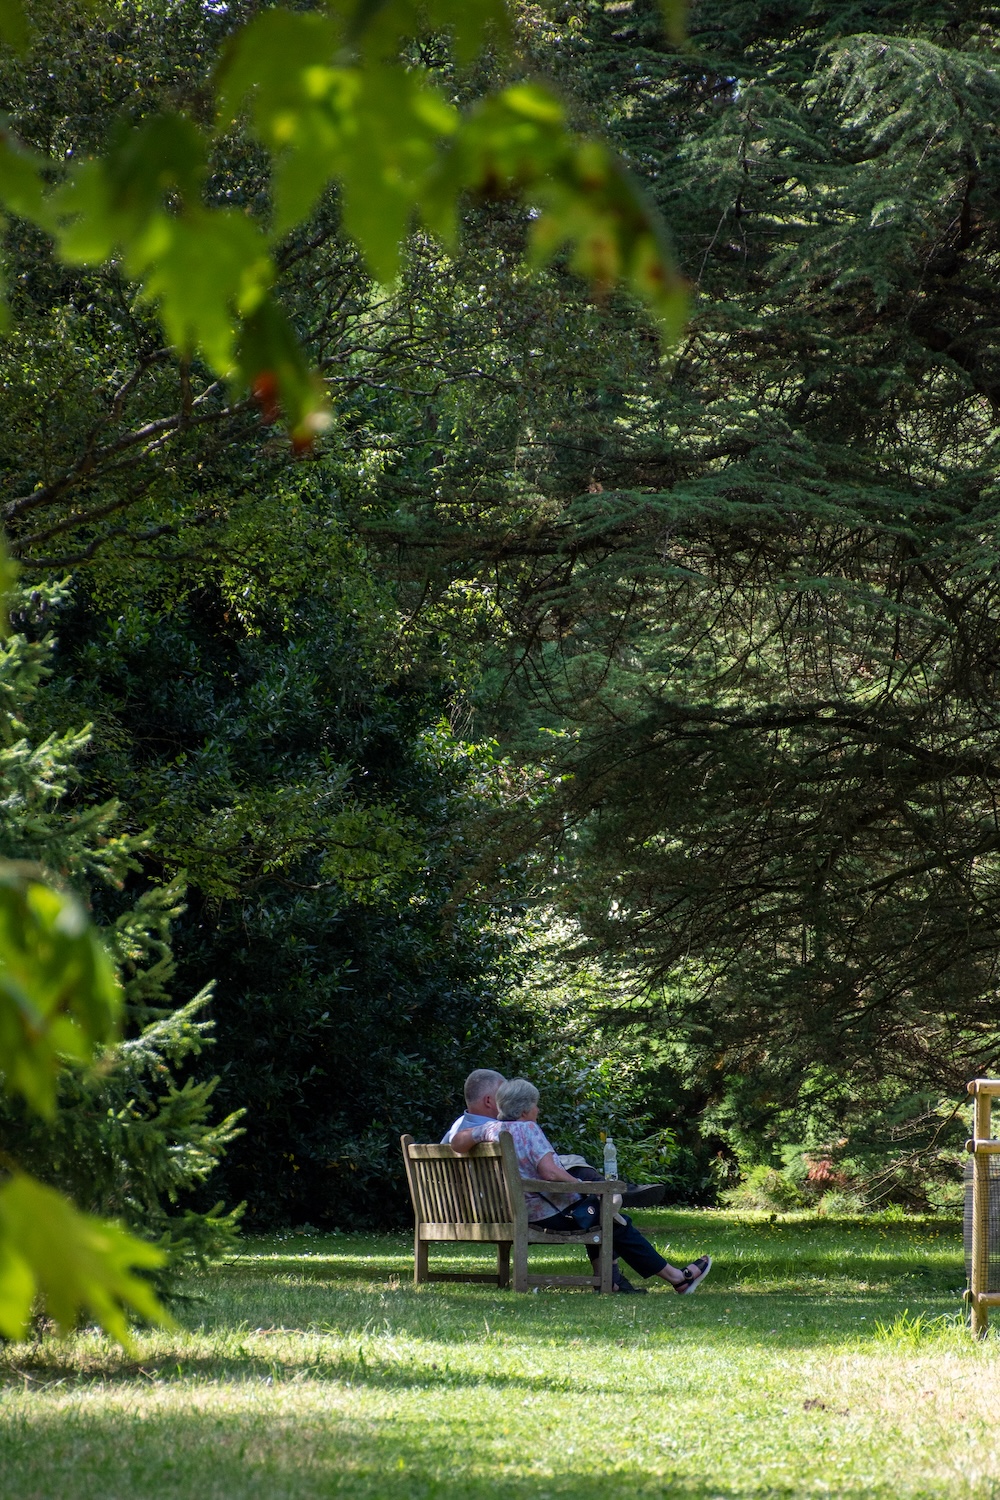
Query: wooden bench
{"points": [[479, 1199]]}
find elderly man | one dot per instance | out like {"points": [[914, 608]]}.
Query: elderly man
{"points": [[480, 1102]]}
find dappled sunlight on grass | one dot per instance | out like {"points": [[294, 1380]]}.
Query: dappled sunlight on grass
{"points": [[820, 1358]]}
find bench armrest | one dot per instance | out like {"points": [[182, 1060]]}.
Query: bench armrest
{"points": [[537, 1185]]}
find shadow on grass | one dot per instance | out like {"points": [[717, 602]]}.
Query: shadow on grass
{"points": [[370, 1373], [444, 1328], [760, 1267], [765, 1269], [775, 1282], [772, 1286], [164, 1456]]}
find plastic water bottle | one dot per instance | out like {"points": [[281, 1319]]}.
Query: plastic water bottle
{"points": [[610, 1160]]}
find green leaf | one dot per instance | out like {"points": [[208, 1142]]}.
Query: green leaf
{"points": [[8, 578], [113, 200], [203, 268], [517, 143], [591, 204], [472, 27], [399, 150], [59, 996], [21, 185], [264, 64], [81, 216], [313, 141], [277, 67], [75, 1262], [534, 103], [204, 272], [675, 14], [15, 31], [21, 188], [167, 152], [273, 365], [379, 129], [400, 123]]}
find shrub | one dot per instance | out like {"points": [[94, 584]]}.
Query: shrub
{"points": [[765, 1188], [838, 1204]]}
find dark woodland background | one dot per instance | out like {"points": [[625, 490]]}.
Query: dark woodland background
{"points": [[622, 719]]}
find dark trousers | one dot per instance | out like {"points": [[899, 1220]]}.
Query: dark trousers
{"points": [[633, 1247]]}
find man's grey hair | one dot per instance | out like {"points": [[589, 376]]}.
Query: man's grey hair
{"points": [[481, 1081], [515, 1098]]}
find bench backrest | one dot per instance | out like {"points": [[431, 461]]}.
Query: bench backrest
{"points": [[480, 1193]]}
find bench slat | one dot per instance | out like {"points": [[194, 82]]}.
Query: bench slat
{"points": [[420, 1152], [471, 1232]]}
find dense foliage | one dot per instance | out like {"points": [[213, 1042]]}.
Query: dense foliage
{"points": [[752, 588], [318, 812], [254, 701], [698, 649], [126, 1138], [775, 639]]}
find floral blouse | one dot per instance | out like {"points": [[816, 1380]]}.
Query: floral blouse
{"points": [[531, 1145]]}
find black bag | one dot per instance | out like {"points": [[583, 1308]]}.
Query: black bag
{"points": [[587, 1213]]}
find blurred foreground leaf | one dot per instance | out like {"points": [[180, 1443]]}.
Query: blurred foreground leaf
{"points": [[73, 1261], [379, 27], [379, 130], [675, 14], [204, 269], [59, 996], [272, 363], [518, 144], [401, 152], [14, 29], [331, 99]]}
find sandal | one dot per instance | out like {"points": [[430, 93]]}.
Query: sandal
{"points": [[694, 1275]]}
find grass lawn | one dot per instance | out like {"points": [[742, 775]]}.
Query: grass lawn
{"points": [[819, 1359]]}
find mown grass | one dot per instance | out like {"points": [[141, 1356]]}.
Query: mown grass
{"points": [[819, 1359]]}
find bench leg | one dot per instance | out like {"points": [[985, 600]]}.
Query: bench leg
{"points": [[607, 1245], [503, 1263], [521, 1258], [419, 1259]]}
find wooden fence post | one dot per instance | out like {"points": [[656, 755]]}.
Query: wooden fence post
{"points": [[981, 1146]]}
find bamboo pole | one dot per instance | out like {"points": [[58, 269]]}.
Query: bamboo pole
{"points": [[979, 1279]]}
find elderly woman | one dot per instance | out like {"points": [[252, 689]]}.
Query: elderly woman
{"points": [[517, 1105]]}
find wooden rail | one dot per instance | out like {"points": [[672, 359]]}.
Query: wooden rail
{"points": [[981, 1146]]}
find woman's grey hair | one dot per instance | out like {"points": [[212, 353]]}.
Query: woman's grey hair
{"points": [[515, 1098]]}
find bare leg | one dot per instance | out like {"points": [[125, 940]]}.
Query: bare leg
{"points": [[691, 1276], [670, 1273]]}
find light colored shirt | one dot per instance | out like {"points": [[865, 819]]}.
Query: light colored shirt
{"points": [[531, 1145], [465, 1122]]}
